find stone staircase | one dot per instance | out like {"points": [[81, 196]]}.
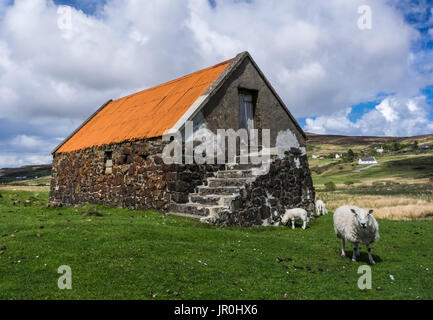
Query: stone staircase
{"points": [[218, 193], [249, 194]]}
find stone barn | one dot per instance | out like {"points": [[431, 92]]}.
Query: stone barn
{"points": [[116, 157]]}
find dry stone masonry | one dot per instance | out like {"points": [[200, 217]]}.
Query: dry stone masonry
{"points": [[137, 178], [133, 175]]}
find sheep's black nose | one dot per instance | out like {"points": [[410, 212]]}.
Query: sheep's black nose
{"points": [[363, 225]]}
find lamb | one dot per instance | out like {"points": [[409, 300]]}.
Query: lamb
{"points": [[356, 225], [320, 208], [296, 214]]}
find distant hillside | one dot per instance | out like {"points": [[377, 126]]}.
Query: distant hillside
{"points": [[8, 175], [364, 140], [364, 145], [400, 158]]}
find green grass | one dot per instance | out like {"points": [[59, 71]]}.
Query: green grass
{"points": [[414, 167], [136, 255], [41, 181]]}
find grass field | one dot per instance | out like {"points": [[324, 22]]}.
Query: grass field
{"points": [[121, 254], [397, 168], [407, 165], [388, 199], [126, 254], [399, 188]]}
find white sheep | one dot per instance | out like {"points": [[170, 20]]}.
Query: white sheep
{"points": [[320, 208], [356, 225], [296, 214]]}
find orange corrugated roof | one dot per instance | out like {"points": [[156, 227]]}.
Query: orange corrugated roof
{"points": [[144, 114]]}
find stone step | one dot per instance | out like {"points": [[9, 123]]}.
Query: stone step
{"points": [[246, 166], [205, 190], [195, 208], [234, 174], [208, 200], [227, 182], [211, 199]]}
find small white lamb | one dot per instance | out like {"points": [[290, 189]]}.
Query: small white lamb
{"points": [[356, 225], [295, 214], [320, 208]]}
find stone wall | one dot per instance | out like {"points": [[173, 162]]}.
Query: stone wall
{"points": [[138, 179], [222, 110], [288, 184]]}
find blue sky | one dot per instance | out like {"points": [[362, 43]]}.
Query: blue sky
{"points": [[87, 6], [335, 77]]}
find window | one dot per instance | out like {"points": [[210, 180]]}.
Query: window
{"points": [[108, 162], [247, 108], [246, 118]]}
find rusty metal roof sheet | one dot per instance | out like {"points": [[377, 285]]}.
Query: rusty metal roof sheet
{"points": [[145, 114]]}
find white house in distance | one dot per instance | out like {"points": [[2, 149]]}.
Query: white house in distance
{"points": [[315, 156], [379, 150], [367, 161], [337, 156]]}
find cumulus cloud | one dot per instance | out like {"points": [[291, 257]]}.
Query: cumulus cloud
{"points": [[393, 116], [317, 58], [25, 149], [53, 73], [15, 160], [30, 143]]}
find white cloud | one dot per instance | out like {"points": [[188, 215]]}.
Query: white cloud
{"points": [[317, 58], [312, 52], [393, 116], [387, 111], [23, 159], [337, 123], [25, 142], [25, 149]]}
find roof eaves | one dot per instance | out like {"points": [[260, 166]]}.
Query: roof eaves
{"points": [[82, 125]]}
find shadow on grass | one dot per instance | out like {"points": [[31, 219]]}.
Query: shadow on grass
{"points": [[363, 257]]}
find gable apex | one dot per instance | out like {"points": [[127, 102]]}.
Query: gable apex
{"points": [[223, 77]]}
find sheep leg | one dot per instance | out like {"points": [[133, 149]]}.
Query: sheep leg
{"points": [[343, 253], [304, 225], [370, 257], [293, 224], [355, 252]]}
